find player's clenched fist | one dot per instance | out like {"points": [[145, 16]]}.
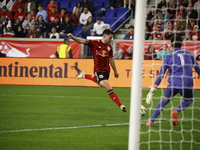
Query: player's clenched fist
{"points": [[70, 35]]}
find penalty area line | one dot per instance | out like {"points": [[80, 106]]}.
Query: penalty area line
{"points": [[65, 128]]}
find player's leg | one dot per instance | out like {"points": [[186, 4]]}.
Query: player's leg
{"points": [[83, 75], [112, 95], [169, 93], [187, 95]]}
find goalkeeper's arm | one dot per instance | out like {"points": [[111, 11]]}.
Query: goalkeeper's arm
{"points": [[150, 94]]}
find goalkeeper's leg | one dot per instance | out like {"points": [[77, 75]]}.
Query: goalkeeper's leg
{"points": [[169, 93], [187, 95]]}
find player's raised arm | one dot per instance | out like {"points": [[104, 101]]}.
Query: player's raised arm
{"points": [[77, 39]]}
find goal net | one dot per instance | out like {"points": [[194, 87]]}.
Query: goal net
{"points": [[164, 19]]}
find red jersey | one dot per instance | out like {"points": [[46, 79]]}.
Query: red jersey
{"points": [[21, 16], [101, 54], [16, 5], [8, 14], [52, 16]]}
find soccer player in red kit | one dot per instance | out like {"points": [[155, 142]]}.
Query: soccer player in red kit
{"points": [[103, 58]]}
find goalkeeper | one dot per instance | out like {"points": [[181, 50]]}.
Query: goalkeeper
{"points": [[179, 64]]}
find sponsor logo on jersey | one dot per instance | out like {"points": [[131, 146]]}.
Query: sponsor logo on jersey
{"points": [[101, 76]]}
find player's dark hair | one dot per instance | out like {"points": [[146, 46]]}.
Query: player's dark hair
{"points": [[108, 31], [176, 41], [66, 40]]}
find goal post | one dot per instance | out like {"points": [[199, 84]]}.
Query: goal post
{"points": [[136, 84]]}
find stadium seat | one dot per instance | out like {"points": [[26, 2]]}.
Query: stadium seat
{"points": [[121, 12], [98, 3], [65, 5], [110, 13], [76, 31], [73, 3]]}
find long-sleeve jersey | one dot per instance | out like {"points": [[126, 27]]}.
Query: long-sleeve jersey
{"points": [[179, 64]]}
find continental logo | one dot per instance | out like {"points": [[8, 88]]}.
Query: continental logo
{"points": [[51, 71]]}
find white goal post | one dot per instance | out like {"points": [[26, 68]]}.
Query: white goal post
{"points": [[136, 88]]}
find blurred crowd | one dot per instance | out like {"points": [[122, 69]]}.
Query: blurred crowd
{"points": [[55, 18], [180, 17]]}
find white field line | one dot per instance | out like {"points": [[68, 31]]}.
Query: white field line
{"points": [[65, 128]]}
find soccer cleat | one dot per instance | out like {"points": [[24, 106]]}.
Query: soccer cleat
{"points": [[81, 75], [174, 115], [149, 124], [123, 108]]}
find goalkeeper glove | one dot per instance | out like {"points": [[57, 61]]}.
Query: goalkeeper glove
{"points": [[150, 95]]}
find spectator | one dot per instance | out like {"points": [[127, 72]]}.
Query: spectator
{"points": [[168, 32], [8, 4], [151, 53], [52, 14], [64, 50], [78, 6], [33, 14], [17, 22], [117, 53], [6, 12], [191, 25], [157, 34], [89, 5], [195, 33], [42, 12], [129, 3], [41, 25], [129, 54], [33, 33], [163, 53], [130, 34], [50, 5], [99, 27], [181, 13], [161, 4], [54, 34], [66, 27], [8, 32], [75, 16], [87, 28], [151, 16], [84, 16], [55, 24], [30, 5], [164, 16], [20, 32], [191, 13], [172, 9], [184, 3], [4, 21], [180, 27], [188, 37], [197, 7], [63, 14], [20, 14], [17, 4], [27, 23]]}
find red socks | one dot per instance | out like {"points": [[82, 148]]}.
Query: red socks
{"points": [[114, 97], [111, 94], [90, 77]]}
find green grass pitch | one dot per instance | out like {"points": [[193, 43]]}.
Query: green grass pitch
{"points": [[84, 118]]}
